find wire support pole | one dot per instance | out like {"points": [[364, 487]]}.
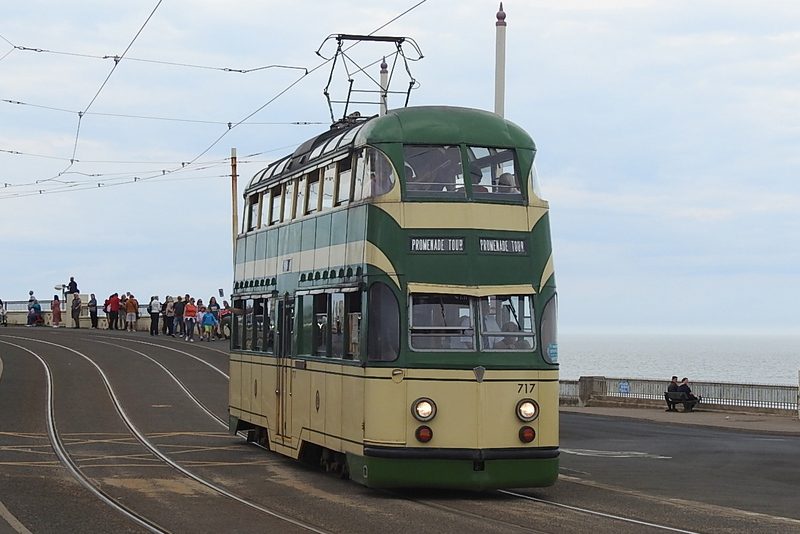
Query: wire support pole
{"points": [[234, 204]]}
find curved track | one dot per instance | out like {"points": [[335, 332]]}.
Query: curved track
{"points": [[160, 389], [141, 438], [69, 463]]}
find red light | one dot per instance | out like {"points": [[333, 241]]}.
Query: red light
{"points": [[424, 434], [526, 434]]}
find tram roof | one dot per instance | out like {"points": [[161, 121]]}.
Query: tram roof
{"points": [[418, 125], [444, 125]]}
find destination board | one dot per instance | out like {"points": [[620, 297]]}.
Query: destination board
{"points": [[436, 244], [503, 246]]}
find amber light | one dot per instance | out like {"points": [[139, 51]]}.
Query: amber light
{"points": [[526, 434], [424, 434]]}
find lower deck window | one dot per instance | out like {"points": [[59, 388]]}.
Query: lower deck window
{"points": [[253, 325], [456, 323], [336, 325]]}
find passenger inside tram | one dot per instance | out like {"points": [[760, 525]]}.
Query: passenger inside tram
{"points": [[511, 341]]}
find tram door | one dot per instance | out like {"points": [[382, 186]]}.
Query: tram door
{"points": [[283, 391]]}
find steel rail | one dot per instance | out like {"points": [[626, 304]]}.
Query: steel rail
{"points": [[596, 513], [69, 463], [164, 458]]}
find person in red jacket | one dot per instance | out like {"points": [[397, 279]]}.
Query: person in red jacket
{"points": [[189, 315], [113, 312]]}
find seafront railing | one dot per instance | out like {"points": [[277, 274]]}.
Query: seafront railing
{"points": [[596, 390]]}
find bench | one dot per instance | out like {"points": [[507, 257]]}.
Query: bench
{"points": [[679, 397]]}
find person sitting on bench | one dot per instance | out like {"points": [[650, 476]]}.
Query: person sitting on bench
{"points": [[672, 388], [684, 388]]}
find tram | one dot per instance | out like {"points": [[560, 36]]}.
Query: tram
{"points": [[396, 304]]}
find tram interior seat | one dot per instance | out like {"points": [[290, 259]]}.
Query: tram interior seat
{"points": [[490, 326], [507, 183]]}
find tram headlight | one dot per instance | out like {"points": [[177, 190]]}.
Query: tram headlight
{"points": [[423, 409], [527, 410]]}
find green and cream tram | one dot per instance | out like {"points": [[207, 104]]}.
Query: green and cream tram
{"points": [[396, 304]]}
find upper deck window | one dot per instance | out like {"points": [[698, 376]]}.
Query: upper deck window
{"points": [[275, 209], [494, 173], [433, 171], [328, 183], [313, 192], [289, 200], [349, 135], [301, 197], [343, 187], [374, 174], [253, 204]]}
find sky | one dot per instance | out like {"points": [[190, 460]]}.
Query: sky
{"points": [[667, 137]]}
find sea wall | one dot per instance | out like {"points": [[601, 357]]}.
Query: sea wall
{"points": [[644, 393]]}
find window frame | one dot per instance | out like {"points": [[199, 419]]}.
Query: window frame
{"points": [[476, 331]]}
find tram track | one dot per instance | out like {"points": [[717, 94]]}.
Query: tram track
{"points": [[146, 443], [67, 461], [518, 527], [154, 527], [438, 506], [596, 513]]}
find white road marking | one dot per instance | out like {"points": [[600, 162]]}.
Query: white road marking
{"points": [[9, 517], [614, 454]]}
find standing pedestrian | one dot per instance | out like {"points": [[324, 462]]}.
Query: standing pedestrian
{"points": [[214, 308], [131, 313], [201, 309], [209, 326], [155, 310], [164, 316], [76, 310], [55, 309], [93, 310], [189, 314], [169, 316], [178, 320], [113, 312]]}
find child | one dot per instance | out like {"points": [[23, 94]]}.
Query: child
{"points": [[209, 325], [201, 310]]}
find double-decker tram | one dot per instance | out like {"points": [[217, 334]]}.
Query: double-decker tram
{"points": [[397, 305]]}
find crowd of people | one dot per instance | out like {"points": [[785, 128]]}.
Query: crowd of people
{"points": [[180, 316]]}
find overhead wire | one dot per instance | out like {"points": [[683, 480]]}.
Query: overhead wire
{"points": [[290, 86], [117, 59], [150, 117], [102, 86], [185, 165]]}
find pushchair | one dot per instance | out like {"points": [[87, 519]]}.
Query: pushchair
{"points": [[35, 318]]}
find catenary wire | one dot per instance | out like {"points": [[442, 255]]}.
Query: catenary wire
{"points": [[117, 59], [290, 86], [219, 138], [151, 117], [102, 85]]}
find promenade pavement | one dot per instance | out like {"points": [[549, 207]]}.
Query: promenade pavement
{"points": [[777, 424]]}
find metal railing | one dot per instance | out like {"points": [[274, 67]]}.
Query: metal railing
{"points": [[719, 393], [16, 306], [568, 389]]}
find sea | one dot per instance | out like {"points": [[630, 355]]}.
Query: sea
{"points": [[737, 358]]}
